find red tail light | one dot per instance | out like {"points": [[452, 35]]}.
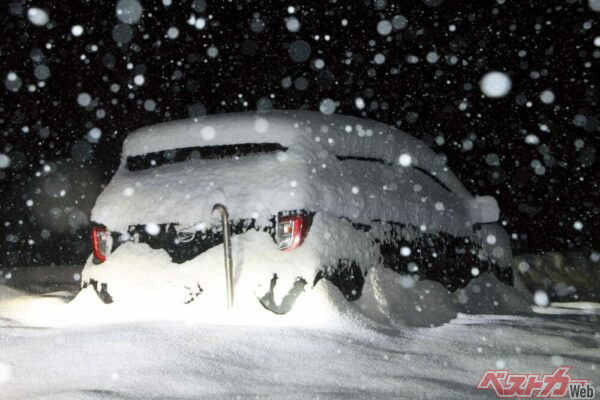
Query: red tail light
{"points": [[292, 230], [101, 243]]}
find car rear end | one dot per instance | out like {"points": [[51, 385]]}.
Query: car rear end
{"points": [[163, 200]]}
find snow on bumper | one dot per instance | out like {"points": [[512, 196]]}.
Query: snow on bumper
{"points": [[136, 273]]}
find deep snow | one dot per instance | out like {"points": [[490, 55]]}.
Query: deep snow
{"points": [[172, 360], [380, 347]]}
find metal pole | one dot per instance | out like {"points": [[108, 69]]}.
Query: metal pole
{"points": [[227, 248]]}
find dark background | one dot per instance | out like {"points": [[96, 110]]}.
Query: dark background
{"points": [[56, 169]]}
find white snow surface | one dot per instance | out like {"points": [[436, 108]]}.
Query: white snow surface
{"points": [[382, 346], [255, 260], [137, 273], [307, 176], [8, 292]]}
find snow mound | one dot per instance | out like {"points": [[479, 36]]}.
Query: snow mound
{"points": [[86, 298], [139, 277], [9, 293], [401, 300], [145, 283], [136, 273], [389, 301], [147, 286], [145, 279], [487, 295]]}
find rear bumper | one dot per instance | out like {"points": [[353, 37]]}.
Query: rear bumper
{"points": [[135, 272], [183, 244]]}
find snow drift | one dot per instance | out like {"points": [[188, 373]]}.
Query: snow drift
{"points": [[193, 360], [389, 300], [7, 292]]}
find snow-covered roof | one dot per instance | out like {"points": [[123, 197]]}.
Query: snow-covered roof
{"points": [[307, 176], [342, 135]]}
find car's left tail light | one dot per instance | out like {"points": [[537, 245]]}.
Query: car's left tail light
{"points": [[101, 243], [291, 230]]}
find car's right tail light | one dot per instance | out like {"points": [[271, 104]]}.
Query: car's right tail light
{"points": [[291, 230], [101, 243]]}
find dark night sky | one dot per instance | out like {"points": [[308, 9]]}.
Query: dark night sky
{"points": [[543, 188]]}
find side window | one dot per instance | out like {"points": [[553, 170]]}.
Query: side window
{"points": [[435, 178], [381, 161], [377, 160]]}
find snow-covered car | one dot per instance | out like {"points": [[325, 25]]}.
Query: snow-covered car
{"points": [[309, 196]]}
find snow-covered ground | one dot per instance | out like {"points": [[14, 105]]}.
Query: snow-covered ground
{"points": [[415, 342]]}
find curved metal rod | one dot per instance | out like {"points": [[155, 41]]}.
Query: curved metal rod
{"points": [[227, 248]]}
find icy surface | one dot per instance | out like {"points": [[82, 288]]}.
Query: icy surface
{"points": [[306, 176], [363, 357]]}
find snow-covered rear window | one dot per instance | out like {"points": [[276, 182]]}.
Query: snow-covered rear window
{"points": [[158, 158]]}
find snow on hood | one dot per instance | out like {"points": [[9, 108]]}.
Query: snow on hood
{"points": [[308, 175]]}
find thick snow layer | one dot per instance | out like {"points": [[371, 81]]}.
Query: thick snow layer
{"points": [[308, 175], [187, 358], [146, 286], [136, 273], [401, 300]]}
